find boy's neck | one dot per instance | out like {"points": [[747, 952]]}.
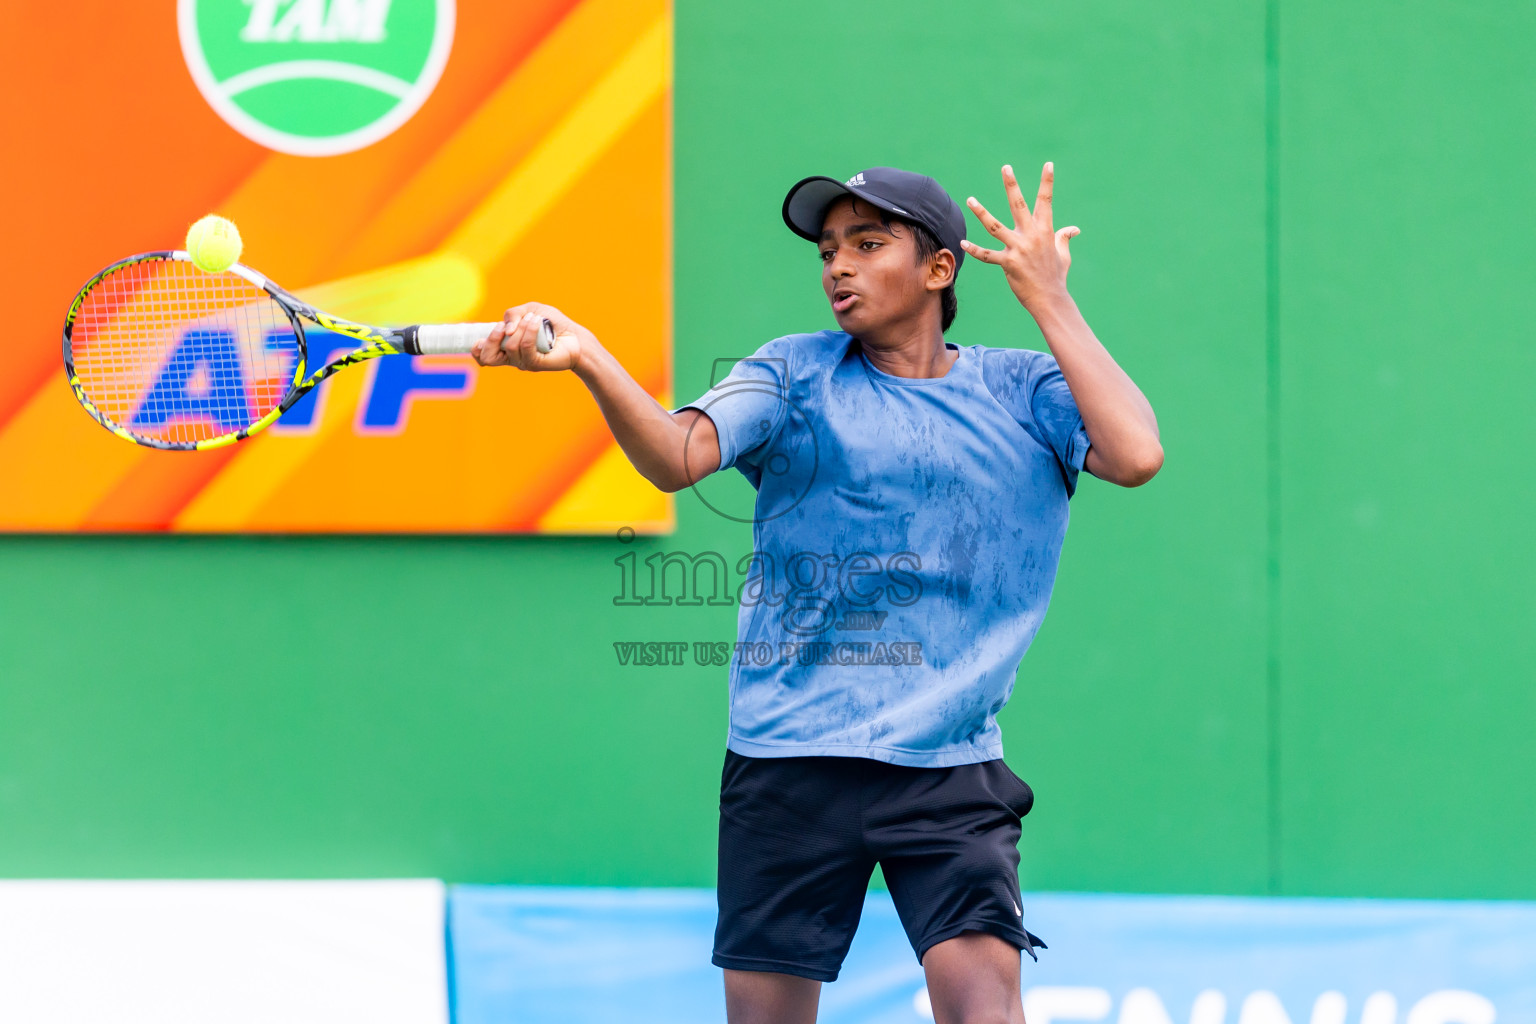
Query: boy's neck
{"points": [[913, 348]]}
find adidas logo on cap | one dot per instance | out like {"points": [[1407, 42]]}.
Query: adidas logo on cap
{"points": [[857, 179]]}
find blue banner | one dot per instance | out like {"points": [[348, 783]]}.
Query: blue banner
{"points": [[583, 956]]}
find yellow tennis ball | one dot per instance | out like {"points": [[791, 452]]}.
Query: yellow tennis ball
{"points": [[214, 244]]}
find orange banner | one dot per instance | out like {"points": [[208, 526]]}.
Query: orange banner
{"points": [[390, 161]]}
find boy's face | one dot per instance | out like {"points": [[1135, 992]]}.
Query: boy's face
{"points": [[870, 272]]}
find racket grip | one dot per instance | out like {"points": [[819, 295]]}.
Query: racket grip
{"points": [[455, 339]]}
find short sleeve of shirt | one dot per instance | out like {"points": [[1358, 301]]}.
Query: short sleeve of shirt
{"points": [[748, 405], [1030, 385]]}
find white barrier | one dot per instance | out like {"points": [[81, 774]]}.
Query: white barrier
{"points": [[74, 952]]}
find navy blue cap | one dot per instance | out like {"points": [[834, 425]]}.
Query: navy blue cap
{"points": [[916, 197]]}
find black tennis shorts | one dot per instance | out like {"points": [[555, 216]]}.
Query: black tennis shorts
{"points": [[800, 837]]}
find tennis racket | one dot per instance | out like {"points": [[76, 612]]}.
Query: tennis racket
{"points": [[169, 356]]}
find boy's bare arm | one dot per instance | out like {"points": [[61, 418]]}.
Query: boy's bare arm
{"points": [[671, 450], [1125, 447]]}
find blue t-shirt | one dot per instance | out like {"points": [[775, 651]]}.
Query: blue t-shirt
{"points": [[905, 545]]}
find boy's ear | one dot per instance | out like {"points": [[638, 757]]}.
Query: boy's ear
{"points": [[941, 271]]}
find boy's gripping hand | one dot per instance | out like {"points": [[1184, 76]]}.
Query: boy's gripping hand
{"points": [[1035, 258], [515, 341]]}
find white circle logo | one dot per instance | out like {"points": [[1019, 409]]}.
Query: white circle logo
{"points": [[315, 77]]}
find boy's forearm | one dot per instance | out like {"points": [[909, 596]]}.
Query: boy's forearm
{"points": [[1117, 416], [647, 433]]}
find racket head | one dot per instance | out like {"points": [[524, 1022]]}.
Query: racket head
{"points": [[169, 356]]}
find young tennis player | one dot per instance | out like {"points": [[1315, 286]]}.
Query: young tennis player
{"points": [[911, 504]]}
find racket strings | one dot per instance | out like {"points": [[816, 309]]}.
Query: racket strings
{"points": [[172, 353]]}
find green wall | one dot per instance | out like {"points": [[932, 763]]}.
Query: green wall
{"points": [[1299, 661], [1407, 609]]}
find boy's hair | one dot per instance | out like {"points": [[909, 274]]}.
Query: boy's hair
{"points": [[928, 246]]}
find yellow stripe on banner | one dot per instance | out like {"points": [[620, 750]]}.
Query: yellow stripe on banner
{"points": [[504, 129], [442, 288], [612, 495], [234, 498], [603, 114]]}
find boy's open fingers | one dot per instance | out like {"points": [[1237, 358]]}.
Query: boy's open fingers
{"points": [[985, 255], [992, 224], [1064, 236], [1020, 208], [1043, 200]]}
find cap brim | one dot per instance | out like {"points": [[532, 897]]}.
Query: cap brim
{"points": [[805, 207]]}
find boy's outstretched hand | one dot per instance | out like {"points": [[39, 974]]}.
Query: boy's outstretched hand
{"points": [[1035, 258]]}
